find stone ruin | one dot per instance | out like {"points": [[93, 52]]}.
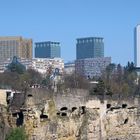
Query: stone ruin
{"points": [[74, 115]]}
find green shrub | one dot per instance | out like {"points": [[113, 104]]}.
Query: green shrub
{"points": [[17, 134]]}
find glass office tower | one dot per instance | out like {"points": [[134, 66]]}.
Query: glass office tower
{"points": [[90, 47], [47, 49]]}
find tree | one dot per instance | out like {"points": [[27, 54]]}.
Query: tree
{"points": [[109, 74], [120, 80], [130, 67], [76, 81], [46, 81], [99, 89], [10, 79], [34, 77], [15, 66], [119, 72], [137, 91], [17, 134]]}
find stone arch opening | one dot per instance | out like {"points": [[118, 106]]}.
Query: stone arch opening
{"points": [[58, 113], [124, 105], [64, 109], [8, 94], [83, 110], [20, 118], [63, 114], [34, 137], [126, 121], [14, 114], [42, 116], [30, 95], [108, 105], [74, 108]]}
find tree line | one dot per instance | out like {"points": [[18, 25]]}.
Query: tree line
{"points": [[118, 80]]}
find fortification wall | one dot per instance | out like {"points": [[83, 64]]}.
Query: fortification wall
{"points": [[76, 115], [3, 97]]}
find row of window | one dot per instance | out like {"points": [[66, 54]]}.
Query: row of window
{"points": [[9, 43], [99, 40], [45, 44]]}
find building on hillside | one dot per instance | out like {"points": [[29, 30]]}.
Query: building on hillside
{"points": [[26, 62], [16, 66], [137, 46], [92, 67], [69, 68], [15, 46], [47, 49], [43, 65], [89, 47]]}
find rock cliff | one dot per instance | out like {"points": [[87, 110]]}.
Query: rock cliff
{"points": [[73, 115]]}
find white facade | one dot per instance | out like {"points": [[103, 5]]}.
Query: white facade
{"points": [[92, 67], [42, 65], [69, 68], [137, 46]]}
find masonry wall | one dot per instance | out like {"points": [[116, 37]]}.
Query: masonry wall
{"points": [[76, 115]]}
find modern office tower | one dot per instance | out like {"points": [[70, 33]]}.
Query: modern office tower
{"points": [[47, 49], [137, 46], [15, 46], [92, 67], [90, 47]]}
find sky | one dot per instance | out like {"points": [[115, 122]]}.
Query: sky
{"points": [[66, 20]]}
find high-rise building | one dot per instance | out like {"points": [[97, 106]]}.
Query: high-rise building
{"points": [[90, 47], [47, 49], [137, 46], [15, 46]]}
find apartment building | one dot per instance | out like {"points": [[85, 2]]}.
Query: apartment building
{"points": [[15, 46]]}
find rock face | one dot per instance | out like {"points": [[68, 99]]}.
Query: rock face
{"points": [[4, 126], [76, 115]]}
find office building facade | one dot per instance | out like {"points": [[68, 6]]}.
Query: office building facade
{"points": [[15, 46], [90, 47], [92, 67], [42, 65], [137, 46], [47, 49]]}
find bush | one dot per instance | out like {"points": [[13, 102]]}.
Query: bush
{"points": [[17, 134]]}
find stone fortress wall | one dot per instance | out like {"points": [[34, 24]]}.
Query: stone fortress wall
{"points": [[76, 115]]}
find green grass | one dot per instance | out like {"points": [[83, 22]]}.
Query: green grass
{"points": [[17, 134]]}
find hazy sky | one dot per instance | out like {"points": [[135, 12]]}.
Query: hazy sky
{"points": [[66, 20]]}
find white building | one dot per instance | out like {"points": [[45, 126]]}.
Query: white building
{"points": [[69, 68], [92, 67], [137, 46], [42, 65]]}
